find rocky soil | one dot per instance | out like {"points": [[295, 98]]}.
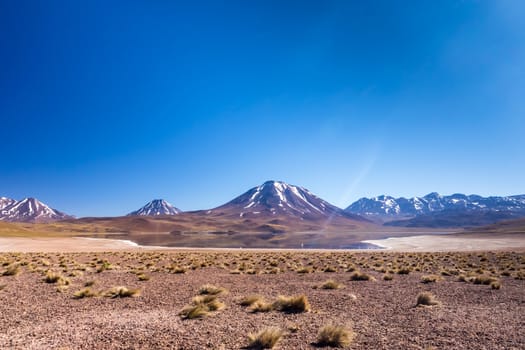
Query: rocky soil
{"points": [[382, 314]]}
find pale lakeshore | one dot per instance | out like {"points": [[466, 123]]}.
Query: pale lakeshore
{"points": [[419, 243]]}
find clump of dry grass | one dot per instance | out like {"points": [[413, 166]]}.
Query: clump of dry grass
{"points": [[426, 299], [495, 285], [11, 270], [335, 336], [262, 306], [265, 339], [293, 328], [121, 292], [201, 306], [250, 300], [84, 293], [331, 284], [292, 304], [143, 277], [194, 311], [105, 265], [403, 271], [482, 279], [211, 302], [388, 277], [304, 270], [54, 277], [178, 269], [209, 289], [430, 278], [361, 276], [330, 269]]}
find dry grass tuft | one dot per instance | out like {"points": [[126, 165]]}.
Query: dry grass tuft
{"points": [[261, 306], [84, 293], [331, 284], [53, 277], [211, 302], [426, 299], [178, 269], [250, 300], [482, 279], [143, 277], [121, 292], [209, 289], [201, 306], [304, 270], [265, 339], [430, 278], [334, 336], [361, 276], [495, 285], [194, 311], [293, 304], [11, 270]]}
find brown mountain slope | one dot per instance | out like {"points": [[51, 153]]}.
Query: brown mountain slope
{"points": [[510, 226]]}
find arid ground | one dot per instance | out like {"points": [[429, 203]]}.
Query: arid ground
{"points": [[67, 300]]}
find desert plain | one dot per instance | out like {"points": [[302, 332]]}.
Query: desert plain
{"points": [[77, 293]]}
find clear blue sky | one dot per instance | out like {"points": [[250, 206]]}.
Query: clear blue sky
{"points": [[105, 105]]}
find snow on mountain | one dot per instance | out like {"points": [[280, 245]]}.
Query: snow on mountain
{"points": [[387, 206], [5, 202], [279, 198], [28, 210], [155, 208]]}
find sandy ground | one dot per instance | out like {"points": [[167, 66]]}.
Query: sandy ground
{"points": [[62, 244], [422, 243], [441, 243]]}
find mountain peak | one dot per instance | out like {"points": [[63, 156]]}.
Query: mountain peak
{"points": [[278, 198], [28, 210], [155, 208]]}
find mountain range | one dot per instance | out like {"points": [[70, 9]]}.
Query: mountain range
{"points": [[435, 210], [276, 206]]}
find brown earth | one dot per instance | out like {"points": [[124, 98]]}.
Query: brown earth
{"points": [[383, 315], [213, 221]]}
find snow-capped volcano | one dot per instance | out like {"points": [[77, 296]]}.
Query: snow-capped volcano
{"points": [[29, 210], [155, 208], [279, 198]]}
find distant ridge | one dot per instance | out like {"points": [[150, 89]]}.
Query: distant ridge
{"points": [[387, 206], [29, 210], [156, 207], [435, 210]]}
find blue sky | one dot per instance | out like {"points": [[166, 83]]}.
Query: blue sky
{"points": [[107, 105]]}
